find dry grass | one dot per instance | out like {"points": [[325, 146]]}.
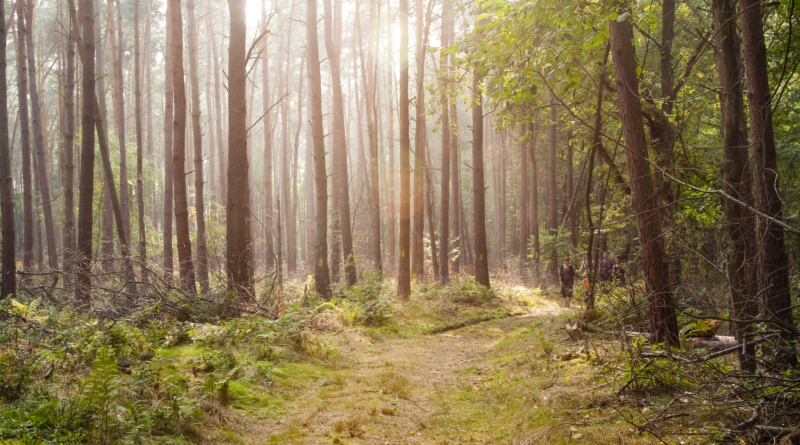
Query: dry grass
{"points": [[394, 383]]}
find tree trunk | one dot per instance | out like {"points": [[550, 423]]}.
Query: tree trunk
{"points": [[9, 271], [663, 320], [38, 142], [197, 139], [321, 277], [478, 184], [118, 101], [341, 193], [736, 171], [392, 238], [417, 247], [573, 229], [86, 181], [218, 120], [429, 205], [69, 160], [240, 254], [25, 141], [404, 271], [552, 268], [534, 130], [185, 262], [369, 81], [455, 209], [169, 187], [524, 196], [139, 142], [269, 262], [772, 256], [444, 207]]}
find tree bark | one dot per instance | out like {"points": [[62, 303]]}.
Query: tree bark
{"points": [[455, 208], [772, 255], [444, 207], [524, 196], [478, 183], [218, 120], [268, 206], [25, 141], [534, 129], [169, 187], [9, 269], [392, 217], [663, 320], [139, 141], [404, 271], [197, 139], [738, 182], [69, 160], [552, 267], [417, 246], [341, 193], [86, 181], [38, 142], [118, 101], [321, 277], [185, 261], [240, 254]]}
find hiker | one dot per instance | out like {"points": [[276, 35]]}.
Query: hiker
{"points": [[618, 271], [605, 268], [566, 277]]}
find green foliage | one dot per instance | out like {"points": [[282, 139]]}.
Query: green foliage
{"points": [[466, 290], [370, 302]]}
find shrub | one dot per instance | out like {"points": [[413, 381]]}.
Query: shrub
{"points": [[370, 304]]}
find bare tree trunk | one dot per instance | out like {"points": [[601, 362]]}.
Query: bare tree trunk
{"points": [[218, 120], [573, 229], [369, 81], [341, 192], [772, 255], [523, 203], [118, 101], [197, 139], [240, 253], [169, 186], [268, 214], [404, 272], [69, 160], [148, 67], [38, 142], [86, 182], [417, 247], [534, 130], [429, 205], [742, 272], [455, 209], [308, 182], [392, 238], [663, 320], [321, 278], [139, 141], [9, 271], [185, 261], [25, 141], [444, 84], [552, 269], [478, 183]]}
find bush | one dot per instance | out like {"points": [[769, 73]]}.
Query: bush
{"points": [[467, 291], [370, 303]]}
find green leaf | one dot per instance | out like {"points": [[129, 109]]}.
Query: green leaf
{"points": [[623, 16]]}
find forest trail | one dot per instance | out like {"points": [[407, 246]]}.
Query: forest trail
{"points": [[425, 389]]}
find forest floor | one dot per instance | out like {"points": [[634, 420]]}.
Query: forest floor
{"points": [[514, 377]]}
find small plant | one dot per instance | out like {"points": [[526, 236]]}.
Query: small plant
{"points": [[370, 305], [354, 426], [394, 383]]}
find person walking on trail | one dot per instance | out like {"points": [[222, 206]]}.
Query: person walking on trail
{"points": [[605, 268], [566, 277], [585, 278]]}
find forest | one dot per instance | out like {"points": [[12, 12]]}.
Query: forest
{"points": [[393, 221]]}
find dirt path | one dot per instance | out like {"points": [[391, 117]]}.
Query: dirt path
{"points": [[400, 391]]}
